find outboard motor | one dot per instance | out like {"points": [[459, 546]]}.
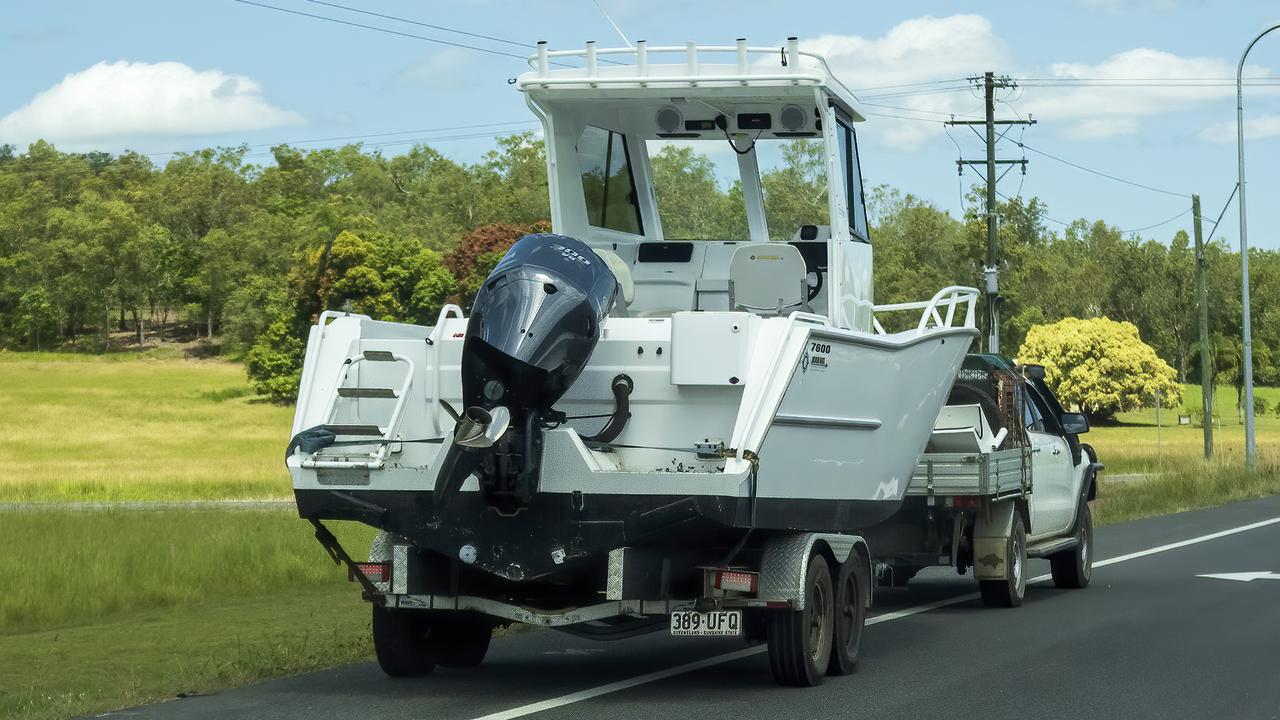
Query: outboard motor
{"points": [[534, 324]]}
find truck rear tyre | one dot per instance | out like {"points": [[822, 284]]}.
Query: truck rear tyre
{"points": [[459, 642], [850, 616], [1009, 591], [800, 640], [1072, 568], [400, 642]]}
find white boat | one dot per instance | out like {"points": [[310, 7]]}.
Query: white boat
{"points": [[624, 383]]}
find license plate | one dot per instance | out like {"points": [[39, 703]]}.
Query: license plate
{"points": [[727, 623]]}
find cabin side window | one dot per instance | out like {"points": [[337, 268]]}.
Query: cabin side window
{"points": [[852, 174], [607, 184]]}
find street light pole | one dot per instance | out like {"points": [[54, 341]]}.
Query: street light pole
{"points": [[1250, 438]]}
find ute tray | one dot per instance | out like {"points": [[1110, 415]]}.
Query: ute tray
{"points": [[998, 474]]}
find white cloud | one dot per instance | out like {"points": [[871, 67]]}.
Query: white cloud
{"points": [[1107, 110], [440, 71], [918, 50], [1255, 128], [125, 100]]}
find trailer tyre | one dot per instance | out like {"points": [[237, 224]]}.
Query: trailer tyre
{"points": [[1009, 591], [850, 616], [800, 640], [459, 642], [400, 642], [1072, 568]]}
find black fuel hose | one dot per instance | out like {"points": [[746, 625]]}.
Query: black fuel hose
{"points": [[622, 387]]}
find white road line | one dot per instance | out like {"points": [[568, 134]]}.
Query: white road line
{"points": [[613, 687]]}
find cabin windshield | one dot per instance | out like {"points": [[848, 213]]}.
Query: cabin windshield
{"points": [[701, 193]]}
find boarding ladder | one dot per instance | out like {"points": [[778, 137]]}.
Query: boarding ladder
{"points": [[382, 437]]}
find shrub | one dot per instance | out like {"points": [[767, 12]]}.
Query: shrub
{"points": [[1100, 365]]}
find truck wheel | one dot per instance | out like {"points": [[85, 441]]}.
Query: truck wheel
{"points": [[400, 642], [459, 642], [800, 640], [1072, 568], [1009, 591], [850, 617]]}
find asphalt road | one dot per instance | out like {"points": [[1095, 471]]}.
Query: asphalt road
{"points": [[1148, 638]]}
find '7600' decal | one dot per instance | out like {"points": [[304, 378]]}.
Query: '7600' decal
{"points": [[815, 356]]}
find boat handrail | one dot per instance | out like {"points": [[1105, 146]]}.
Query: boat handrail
{"points": [[948, 297], [789, 56], [433, 345]]}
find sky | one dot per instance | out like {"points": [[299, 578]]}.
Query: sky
{"points": [[1142, 90]]}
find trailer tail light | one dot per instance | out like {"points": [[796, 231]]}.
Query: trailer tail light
{"points": [[737, 581], [376, 572], [966, 501]]}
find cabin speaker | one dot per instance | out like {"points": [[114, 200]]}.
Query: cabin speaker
{"points": [[793, 118], [669, 119]]}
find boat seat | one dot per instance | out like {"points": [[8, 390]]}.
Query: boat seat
{"points": [[622, 273], [768, 279]]}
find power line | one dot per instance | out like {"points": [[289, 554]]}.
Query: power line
{"points": [[421, 24], [907, 85], [918, 110], [1102, 174], [450, 43]]}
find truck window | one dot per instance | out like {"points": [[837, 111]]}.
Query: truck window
{"points": [[1032, 420], [607, 184]]}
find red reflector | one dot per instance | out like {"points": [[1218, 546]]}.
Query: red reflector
{"points": [[376, 572], [966, 501], [736, 581]]}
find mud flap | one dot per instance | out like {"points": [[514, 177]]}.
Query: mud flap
{"points": [[991, 539]]}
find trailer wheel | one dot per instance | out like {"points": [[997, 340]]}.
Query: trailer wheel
{"points": [[400, 642], [850, 617], [1009, 591], [800, 640], [459, 642], [1072, 568]]}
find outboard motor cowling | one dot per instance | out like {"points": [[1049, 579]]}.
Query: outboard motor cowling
{"points": [[533, 326]]}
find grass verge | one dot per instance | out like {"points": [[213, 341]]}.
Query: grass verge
{"points": [[1193, 488], [161, 653], [106, 609]]}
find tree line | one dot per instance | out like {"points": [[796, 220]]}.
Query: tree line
{"points": [[212, 245]]}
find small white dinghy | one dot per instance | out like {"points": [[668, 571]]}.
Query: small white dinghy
{"points": [[626, 385]]}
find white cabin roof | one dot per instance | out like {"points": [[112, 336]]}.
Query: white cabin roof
{"points": [[711, 70]]}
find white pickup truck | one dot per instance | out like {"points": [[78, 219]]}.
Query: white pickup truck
{"points": [[1004, 478]]}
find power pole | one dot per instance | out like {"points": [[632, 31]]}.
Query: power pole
{"points": [[1202, 300], [990, 83]]}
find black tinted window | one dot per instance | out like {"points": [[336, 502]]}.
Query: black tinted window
{"points": [[607, 184]]}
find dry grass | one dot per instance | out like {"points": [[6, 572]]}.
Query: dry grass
{"points": [[1136, 445], [99, 428]]}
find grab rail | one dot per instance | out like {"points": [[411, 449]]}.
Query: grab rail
{"points": [[789, 61], [948, 297], [433, 343]]}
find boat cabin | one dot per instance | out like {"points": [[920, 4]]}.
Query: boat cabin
{"points": [[709, 178]]}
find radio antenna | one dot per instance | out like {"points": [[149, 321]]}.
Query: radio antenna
{"points": [[614, 24]]}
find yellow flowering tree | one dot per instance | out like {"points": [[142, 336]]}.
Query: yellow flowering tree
{"points": [[1100, 365]]}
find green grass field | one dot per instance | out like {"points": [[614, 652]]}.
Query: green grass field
{"points": [[1137, 445], [101, 428]]}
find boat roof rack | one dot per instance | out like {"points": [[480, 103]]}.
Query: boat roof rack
{"points": [[703, 66]]}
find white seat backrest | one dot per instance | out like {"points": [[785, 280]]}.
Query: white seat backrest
{"points": [[621, 272], [767, 278], [964, 416]]}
